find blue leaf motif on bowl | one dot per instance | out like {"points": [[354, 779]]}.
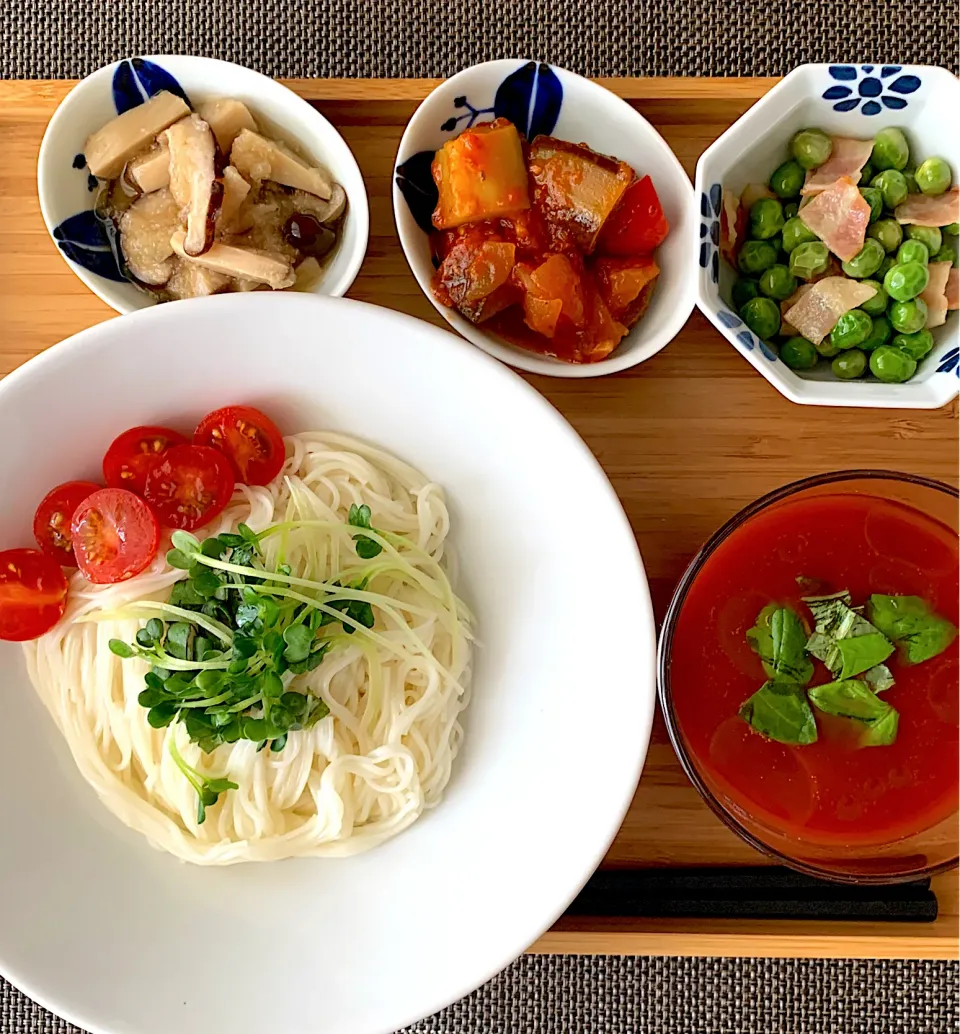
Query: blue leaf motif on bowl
{"points": [[91, 242], [710, 231], [85, 238], [870, 91], [950, 362], [531, 97]]}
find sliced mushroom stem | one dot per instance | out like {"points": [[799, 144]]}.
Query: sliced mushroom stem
{"points": [[243, 263]]}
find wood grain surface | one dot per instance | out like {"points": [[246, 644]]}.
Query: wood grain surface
{"points": [[687, 439]]}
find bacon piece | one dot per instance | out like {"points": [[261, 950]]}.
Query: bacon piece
{"points": [[753, 192], [935, 294], [817, 311], [733, 226], [847, 158], [839, 216], [921, 210], [788, 329], [953, 289]]}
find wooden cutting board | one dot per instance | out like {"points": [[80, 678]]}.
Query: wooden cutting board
{"points": [[687, 439]]}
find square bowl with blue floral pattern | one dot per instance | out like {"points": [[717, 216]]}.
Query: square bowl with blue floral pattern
{"points": [[543, 99], [843, 100]]}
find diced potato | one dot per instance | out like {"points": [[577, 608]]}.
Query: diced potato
{"points": [[541, 314], [480, 175], [626, 284], [557, 279], [575, 190], [111, 147], [473, 277]]}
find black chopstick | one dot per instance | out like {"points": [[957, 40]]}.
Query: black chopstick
{"points": [[761, 892]]}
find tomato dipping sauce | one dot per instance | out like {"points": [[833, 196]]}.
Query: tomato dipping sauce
{"points": [[833, 793]]}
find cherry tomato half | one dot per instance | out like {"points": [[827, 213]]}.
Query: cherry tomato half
{"points": [[51, 522], [115, 535], [251, 442], [189, 485], [33, 594], [131, 455], [637, 224]]}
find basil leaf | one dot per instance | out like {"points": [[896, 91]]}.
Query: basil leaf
{"points": [[780, 711], [779, 639], [882, 732], [860, 652], [910, 623], [848, 698]]}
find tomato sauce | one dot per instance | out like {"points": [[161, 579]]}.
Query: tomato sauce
{"points": [[832, 792]]}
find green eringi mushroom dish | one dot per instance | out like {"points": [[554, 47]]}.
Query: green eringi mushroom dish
{"points": [[847, 256]]}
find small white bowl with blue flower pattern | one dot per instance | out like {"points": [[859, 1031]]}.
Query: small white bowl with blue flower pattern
{"points": [[843, 100]]}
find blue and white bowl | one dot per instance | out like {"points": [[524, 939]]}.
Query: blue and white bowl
{"points": [[68, 191], [845, 100], [540, 98]]}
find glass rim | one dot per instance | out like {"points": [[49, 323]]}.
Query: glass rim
{"points": [[665, 690]]}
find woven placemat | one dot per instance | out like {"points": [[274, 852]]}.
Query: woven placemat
{"points": [[294, 38], [595, 994]]}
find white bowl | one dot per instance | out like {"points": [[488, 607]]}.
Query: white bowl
{"points": [[562, 104], [118, 937], [845, 100], [67, 192]]}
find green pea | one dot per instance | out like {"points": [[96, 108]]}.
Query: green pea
{"points": [[880, 331], [852, 329], [887, 264], [874, 198], [809, 260], [953, 228], [905, 281], [827, 348], [867, 173], [756, 256], [892, 186], [913, 251], [849, 365], [890, 149], [787, 180], [877, 305], [866, 261], [743, 290], [799, 354], [928, 235], [910, 175], [762, 316], [947, 253], [777, 242], [790, 209], [777, 282], [908, 317], [766, 218], [795, 232], [888, 232], [811, 147], [934, 176], [892, 365], [917, 346]]}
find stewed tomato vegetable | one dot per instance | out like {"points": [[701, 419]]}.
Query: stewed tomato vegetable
{"points": [[637, 225], [250, 440], [51, 522], [189, 485], [33, 594], [131, 455], [115, 535]]}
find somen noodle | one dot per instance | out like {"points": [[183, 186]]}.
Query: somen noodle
{"points": [[395, 692]]}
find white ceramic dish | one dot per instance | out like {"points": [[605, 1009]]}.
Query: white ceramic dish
{"points": [[118, 937], [846, 100], [545, 99], [64, 184]]}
